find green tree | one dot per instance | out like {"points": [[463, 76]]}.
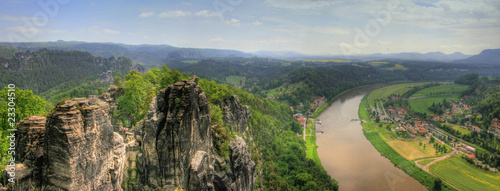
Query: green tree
{"points": [[118, 81], [101, 91], [151, 77], [134, 96], [26, 104], [437, 183]]}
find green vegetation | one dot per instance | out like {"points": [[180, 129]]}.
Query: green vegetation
{"points": [[396, 67], [425, 162], [235, 80], [284, 159], [312, 148], [25, 104], [446, 89], [458, 128], [398, 89], [465, 176], [422, 105], [47, 72]]}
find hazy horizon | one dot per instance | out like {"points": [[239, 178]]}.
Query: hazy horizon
{"points": [[307, 26]]}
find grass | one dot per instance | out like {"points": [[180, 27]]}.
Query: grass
{"points": [[422, 104], [411, 149], [465, 176], [312, 148], [446, 89], [396, 67], [387, 91], [235, 79], [425, 162], [458, 128]]}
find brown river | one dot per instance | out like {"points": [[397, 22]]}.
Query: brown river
{"points": [[349, 157]]}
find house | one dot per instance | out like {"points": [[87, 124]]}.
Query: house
{"points": [[471, 156], [390, 106], [408, 125], [422, 131], [402, 112], [476, 129]]}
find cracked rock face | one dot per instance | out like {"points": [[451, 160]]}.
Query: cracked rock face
{"points": [[73, 149], [176, 145], [176, 128], [235, 114]]}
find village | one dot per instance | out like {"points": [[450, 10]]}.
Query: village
{"points": [[408, 126]]}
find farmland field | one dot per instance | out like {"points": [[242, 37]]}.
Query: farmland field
{"points": [[422, 104], [396, 67], [385, 92], [412, 150], [464, 175], [446, 89]]}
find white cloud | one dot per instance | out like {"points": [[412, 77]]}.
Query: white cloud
{"points": [[299, 4], [174, 14], [232, 21], [109, 31], [218, 39], [205, 13], [20, 29], [330, 30], [146, 14], [383, 42], [257, 23]]}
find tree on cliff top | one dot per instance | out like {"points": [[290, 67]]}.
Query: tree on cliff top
{"points": [[26, 104]]}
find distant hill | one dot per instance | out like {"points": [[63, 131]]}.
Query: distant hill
{"points": [[280, 54], [149, 55], [50, 72], [488, 56], [431, 56]]}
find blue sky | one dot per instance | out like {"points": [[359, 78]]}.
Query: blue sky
{"points": [[308, 26]]}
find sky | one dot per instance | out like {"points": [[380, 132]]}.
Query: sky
{"points": [[307, 26]]}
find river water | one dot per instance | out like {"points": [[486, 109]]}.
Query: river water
{"points": [[349, 157]]}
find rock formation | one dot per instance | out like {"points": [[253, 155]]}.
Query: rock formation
{"points": [[235, 114], [176, 145], [106, 76], [73, 149]]}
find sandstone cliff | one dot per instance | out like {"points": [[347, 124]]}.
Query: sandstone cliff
{"points": [[176, 145], [73, 149]]}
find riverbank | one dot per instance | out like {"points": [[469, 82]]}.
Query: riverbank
{"points": [[371, 133], [312, 148]]}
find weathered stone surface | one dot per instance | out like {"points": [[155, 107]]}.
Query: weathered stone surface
{"points": [[242, 166], [73, 149], [30, 139], [176, 127], [235, 114], [106, 76], [176, 145]]}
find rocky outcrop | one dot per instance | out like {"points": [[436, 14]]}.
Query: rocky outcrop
{"points": [[175, 129], [106, 76], [73, 149], [235, 114], [242, 166], [176, 145]]}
